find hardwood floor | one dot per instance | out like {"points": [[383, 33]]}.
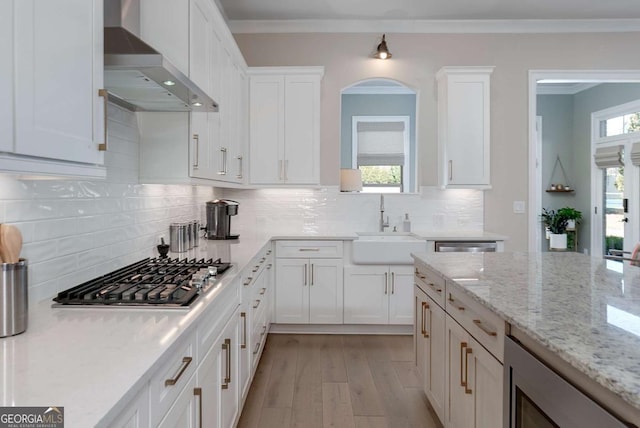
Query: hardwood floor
{"points": [[308, 381]]}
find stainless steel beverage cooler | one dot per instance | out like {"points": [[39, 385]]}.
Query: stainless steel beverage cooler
{"points": [[219, 213], [14, 305]]}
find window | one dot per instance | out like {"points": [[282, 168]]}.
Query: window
{"points": [[624, 124], [380, 151]]}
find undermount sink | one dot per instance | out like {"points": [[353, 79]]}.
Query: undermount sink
{"points": [[385, 248]]}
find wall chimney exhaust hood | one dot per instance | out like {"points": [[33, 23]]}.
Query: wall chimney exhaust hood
{"points": [[137, 76]]}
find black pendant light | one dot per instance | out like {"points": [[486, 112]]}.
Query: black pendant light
{"points": [[382, 52]]}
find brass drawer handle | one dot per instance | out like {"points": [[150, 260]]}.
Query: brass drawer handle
{"points": [[255, 351], [105, 95], [248, 280], [425, 307], [386, 282], [432, 285], [255, 268], [462, 346], [196, 140], [257, 304], [226, 346], [482, 327], [262, 291], [309, 249], [467, 390], [452, 300], [185, 363], [393, 282], [198, 393], [243, 315]]}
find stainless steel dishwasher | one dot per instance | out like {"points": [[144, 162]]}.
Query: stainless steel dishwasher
{"points": [[466, 246]]}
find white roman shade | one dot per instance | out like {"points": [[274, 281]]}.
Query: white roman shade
{"points": [[635, 154], [608, 157], [380, 143]]}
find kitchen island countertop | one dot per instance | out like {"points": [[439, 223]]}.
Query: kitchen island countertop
{"points": [[585, 310]]}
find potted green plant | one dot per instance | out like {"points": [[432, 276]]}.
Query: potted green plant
{"points": [[556, 223], [573, 216]]}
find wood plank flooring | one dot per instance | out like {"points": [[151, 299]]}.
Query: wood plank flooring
{"points": [[308, 381]]}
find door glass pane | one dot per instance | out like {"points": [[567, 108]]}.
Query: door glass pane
{"points": [[613, 226], [528, 415]]}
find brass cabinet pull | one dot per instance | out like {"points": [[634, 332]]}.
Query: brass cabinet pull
{"points": [[309, 249], [255, 268], [425, 307], [421, 317], [243, 315], [305, 274], [240, 172], [185, 363], [269, 266], [198, 393], [467, 390], [482, 327], [255, 351], [450, 170], [226, 346], [432, 285], [262, 291], [257, 304], [264, 330], [386, 282], [196, 140], [462, 346], [248, 280], [393, 282], [452, 300], [105, 95], [311, 273]]}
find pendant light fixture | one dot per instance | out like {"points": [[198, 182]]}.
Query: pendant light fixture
{"points": [[382, 52]]}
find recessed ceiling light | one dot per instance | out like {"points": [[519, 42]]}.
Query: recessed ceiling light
{"points": [[197, 104], [169, 83]]}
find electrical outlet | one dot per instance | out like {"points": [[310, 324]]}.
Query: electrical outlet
{"points": [[518, 207]]}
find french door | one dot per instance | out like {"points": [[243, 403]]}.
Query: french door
{"points": [[616, 179]]}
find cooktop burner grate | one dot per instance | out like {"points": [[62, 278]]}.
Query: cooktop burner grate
{"points": [[149, 282]]}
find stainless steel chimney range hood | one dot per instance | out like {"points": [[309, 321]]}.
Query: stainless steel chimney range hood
{"points": [[137, 76]]}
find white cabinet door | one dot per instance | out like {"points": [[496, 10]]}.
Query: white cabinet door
{"points": [[58, 55], [419, 335], [302, 129], [184, 412], [325, 291], [200, 149], [165, 27], [136, 415], [6, 75], [401, 295], [229, 395], [486, 385], [366, 295], [201, 41], [292, 291], [435, 355], [266, 129], [459, 412], [464, 126]]}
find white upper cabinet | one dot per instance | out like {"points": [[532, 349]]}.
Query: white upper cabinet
{"points": [[201, 40], [464, 127], [164, 25], [284, 132], [52, 89]]}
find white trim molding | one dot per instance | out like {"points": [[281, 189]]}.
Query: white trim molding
{"points": [[434, 26]]}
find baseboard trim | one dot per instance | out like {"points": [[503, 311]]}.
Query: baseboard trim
{"points": [[340, 329]]}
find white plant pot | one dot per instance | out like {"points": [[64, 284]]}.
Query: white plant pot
{"points": [[558, 241]]}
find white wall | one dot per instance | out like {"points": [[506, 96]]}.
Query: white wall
{"points": [[416, 59], [76, 230]]}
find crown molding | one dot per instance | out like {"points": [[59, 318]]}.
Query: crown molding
{"points": [[435, 26], [564, 89]]}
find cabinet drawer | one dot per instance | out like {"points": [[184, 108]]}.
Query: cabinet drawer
{"points": [[485, 326], [431, 284], [218, 312], [168, 381], [309, 249]]}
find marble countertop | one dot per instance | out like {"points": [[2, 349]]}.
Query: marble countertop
{"points": [[586, 310]]}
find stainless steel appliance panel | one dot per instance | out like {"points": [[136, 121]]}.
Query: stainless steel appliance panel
{"points": [[537, 397], [466, 247]]}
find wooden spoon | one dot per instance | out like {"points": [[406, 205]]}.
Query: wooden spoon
{"points": [[10, 243]]}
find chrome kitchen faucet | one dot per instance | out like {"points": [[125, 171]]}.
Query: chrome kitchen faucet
{"points": [[383, 223]]}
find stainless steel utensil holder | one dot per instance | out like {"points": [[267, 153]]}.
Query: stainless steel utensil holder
{"points": [[179, 237], [14, 303]]}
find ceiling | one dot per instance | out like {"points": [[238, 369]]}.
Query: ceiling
{"points": [[241, 10]]}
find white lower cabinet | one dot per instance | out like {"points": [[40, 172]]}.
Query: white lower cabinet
{"points": [[474, 381], [309, 291], [430, 343], [136, 415], [378, 295]]}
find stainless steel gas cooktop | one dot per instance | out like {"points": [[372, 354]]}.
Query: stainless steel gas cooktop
{"points": [[152, 282]]}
